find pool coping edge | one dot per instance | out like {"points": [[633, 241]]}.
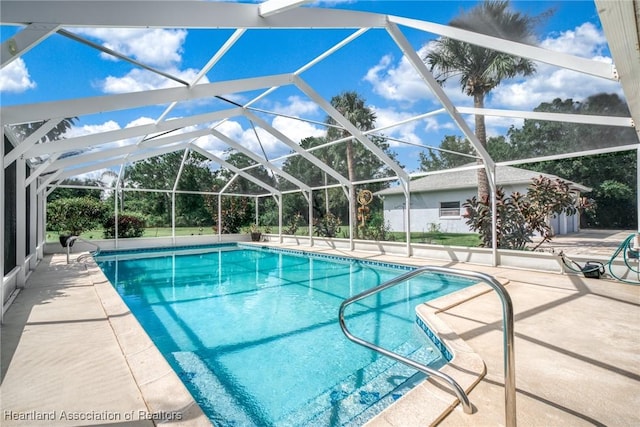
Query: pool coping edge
{"points": [[150, 370]]}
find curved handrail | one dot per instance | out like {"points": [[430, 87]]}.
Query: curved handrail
{"points": [[508, 336], [72, 239]]}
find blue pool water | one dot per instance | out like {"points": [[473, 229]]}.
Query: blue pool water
{"points": [[254, 335]]}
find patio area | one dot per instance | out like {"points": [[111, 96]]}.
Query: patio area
{"points": [[70, 348]]}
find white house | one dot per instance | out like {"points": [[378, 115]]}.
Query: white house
{"points": [[436, 200]]}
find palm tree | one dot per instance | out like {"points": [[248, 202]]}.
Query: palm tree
{"points": [[481, 69], [353, 108], [26, 129]]}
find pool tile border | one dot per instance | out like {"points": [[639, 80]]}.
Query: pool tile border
{"points": [[435, 339]]}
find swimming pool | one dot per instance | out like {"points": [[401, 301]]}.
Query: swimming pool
{"points": [[253, 332]]}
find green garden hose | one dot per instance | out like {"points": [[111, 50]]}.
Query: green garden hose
{"points": [[596, 269]]}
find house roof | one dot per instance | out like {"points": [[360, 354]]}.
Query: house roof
{"points": [[468, 178]]}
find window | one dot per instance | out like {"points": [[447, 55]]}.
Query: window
{"points": [[449, 209]]}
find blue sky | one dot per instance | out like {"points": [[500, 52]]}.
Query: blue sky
{"points": [[372, 65]]}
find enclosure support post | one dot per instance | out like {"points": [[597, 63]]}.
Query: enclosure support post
{"points": [[491, 171], [2, 224], [173, 217], [21, 221], [280, 218], [219, 225], [33, 222], [310, 225], [115, 214], [351, 215], [407, 215], [257, 222], [42, 220], [638, 186]]}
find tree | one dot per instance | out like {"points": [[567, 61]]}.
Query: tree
{"points": [[75, 215], [611, 175], [66, 193], [480, 69], [161, 172], [26, 129], [448, 156]]}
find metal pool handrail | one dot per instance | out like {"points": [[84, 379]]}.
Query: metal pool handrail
{"points": [[74, 238], [508, 336]]}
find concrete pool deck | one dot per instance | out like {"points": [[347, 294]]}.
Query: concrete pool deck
{"points": [[71, 349]]}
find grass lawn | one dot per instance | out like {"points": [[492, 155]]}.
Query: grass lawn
{"points": [[52, 236], [439, 238], [436, 238]]}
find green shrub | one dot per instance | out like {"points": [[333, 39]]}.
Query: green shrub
{"points": [[327, 226], [520, 216], [294, 223], [129, 225]]}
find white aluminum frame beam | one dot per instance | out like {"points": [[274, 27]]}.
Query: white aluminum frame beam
{"points": [[27, 113], [24, 41], [552, 117], [178, 14], [86, 141]]}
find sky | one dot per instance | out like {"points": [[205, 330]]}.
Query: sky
{"points": [[372, 65]]}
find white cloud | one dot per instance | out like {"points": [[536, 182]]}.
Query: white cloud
{"points": [[297, 106], [405, 132], [76, 131], [585, 40], [552, 82], [155, 47], [297, 130], [398, 81], [15, 77], [139, 80]]}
